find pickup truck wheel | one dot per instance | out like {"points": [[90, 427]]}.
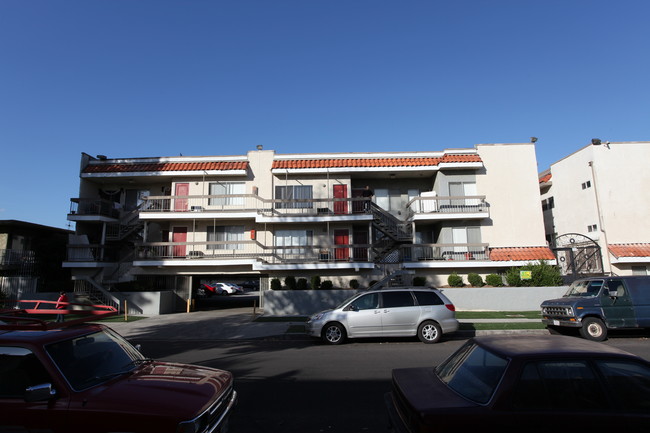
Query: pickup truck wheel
{"points": [[429, 332], [593, 329], [333, 333]]}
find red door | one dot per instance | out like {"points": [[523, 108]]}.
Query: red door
{"points": [[180, 204], [340, 192], [179, 234], [342, 237]]}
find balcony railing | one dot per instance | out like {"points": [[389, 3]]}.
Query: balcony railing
{"points": [[232, 250], [465, 252], [94, 207], [451, 204], [251, 202], [91, 253], [10, 258]]}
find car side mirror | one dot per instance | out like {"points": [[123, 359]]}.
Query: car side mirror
{"points": [[42, 392], [353, 308]]}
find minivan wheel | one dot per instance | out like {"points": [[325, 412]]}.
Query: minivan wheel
{"points": [[333, 333], [593, 329], [429, 332]]}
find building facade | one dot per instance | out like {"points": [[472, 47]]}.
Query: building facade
{"points": [[596, 204], [174, 222]]}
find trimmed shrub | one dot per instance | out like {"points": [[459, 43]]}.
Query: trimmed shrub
{"points": [[455, 280], [290, 282], [354, 284], [512, 277], [542, 275], [276, 284], [494, 280], [326, 285], [315, 282], [419, 281], [475, 280], [302, 284]]}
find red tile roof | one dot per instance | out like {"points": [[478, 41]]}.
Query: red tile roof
{"points": [[545, 178], [373, 162], [521, 254], [166, 166], [630, 250]]}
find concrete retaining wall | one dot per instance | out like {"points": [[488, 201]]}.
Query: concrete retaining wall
{"points": [[307, 302]]}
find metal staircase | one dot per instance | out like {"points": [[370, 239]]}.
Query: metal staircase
{"points": [[390, 234], [399, 278]]}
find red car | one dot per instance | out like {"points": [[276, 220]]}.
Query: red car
{"points": [[87, 378]]}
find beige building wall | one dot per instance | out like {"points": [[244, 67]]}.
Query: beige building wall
{"points": [[511, 187]]}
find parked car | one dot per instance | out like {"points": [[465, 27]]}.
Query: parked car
{"points": [[87, 378], [595, 305], [527, 383], [210, 289], [394, 312]]}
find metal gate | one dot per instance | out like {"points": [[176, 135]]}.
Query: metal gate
{"points": [[578, 256]]}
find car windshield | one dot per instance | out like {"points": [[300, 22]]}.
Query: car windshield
{"points": [[473, 372], [94, 358], [585, 288]]}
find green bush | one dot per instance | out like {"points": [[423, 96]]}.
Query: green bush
{"points": [[290, 282], [455, 280], [494, 280], [302, 284], [475, 280], [542, 275], [326, 285], [354, 284], [276, 284], [419, 281], [315, 282]]}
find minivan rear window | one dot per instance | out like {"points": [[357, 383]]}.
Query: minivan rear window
{"points": [[428, 298]]}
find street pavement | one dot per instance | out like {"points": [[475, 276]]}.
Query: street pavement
{"points": [[241, 324]]}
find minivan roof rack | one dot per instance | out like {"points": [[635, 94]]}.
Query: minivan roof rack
{"points": [[401, 278], [19, 318]]}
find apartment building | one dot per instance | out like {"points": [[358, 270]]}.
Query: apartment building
{"points": [[173, 222], [596, 205]]}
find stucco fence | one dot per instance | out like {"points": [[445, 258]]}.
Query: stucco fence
{"points": [[307, 302]]}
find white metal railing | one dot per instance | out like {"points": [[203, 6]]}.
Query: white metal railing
{"points": [[252, 202], [451, 204], [465, 252]]}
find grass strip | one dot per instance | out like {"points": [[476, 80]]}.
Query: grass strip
{"points": [[498, 315]]}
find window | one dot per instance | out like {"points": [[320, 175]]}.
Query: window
{"points": [[586, 184], [296, 196], [397, 299], [227, 189], [366, 302], [427, 298], [628, 383], [558, 386], [461, 189], [548, 203], [19, 369], [592, 228], [293, 238], [224, 234]]}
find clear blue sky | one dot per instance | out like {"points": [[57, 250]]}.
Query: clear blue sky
{"points": [[206, 77]]}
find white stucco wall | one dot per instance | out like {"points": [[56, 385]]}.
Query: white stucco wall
{"points": [[511, 187]]}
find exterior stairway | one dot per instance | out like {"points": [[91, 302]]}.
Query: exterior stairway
{"points": [[390, 234]]}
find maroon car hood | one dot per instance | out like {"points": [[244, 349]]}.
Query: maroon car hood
{"points": [[176, 390]]}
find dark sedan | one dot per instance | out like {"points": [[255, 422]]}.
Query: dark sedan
{"points": [[524, 383]]}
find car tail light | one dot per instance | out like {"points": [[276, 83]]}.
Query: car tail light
{"points": [[450, 307]]}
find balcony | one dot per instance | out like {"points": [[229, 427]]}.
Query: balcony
{"points": [[445, 252], [452, 207], [252, 251], [90, 254], [252, 206], [82, 209]]}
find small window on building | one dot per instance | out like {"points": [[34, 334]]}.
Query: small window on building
{"points": [[592, 228], [586, 184]]}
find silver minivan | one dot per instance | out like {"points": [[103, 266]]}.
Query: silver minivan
{"points": [[390, 312]]}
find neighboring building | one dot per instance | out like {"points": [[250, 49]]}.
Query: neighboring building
{"points": [[596, 203], [172, 222], [31, 257]]}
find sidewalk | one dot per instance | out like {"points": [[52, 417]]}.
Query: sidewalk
{"points": [[240, 324]]}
